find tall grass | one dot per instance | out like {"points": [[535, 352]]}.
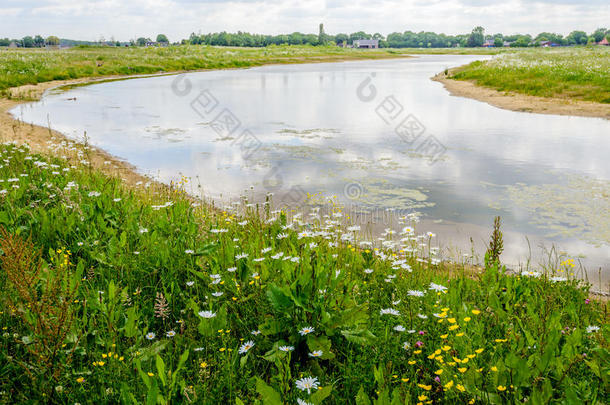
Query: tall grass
{"points": [[579, 73], [174, 301]]}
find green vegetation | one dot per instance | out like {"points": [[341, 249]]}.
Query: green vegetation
{"points": [[129, 295], [575, 73], [31, 66]]}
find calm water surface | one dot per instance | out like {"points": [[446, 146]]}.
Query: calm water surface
{"points": [[377, 134]]}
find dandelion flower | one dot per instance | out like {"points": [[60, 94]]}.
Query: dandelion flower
{"points": [[501, 388], [307, 384]]}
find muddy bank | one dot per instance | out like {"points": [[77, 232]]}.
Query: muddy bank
{"points": [[521, 102]]}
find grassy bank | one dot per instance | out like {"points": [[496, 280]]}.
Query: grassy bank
{"points": [[115, 294], [31, 66], [570, 73]]}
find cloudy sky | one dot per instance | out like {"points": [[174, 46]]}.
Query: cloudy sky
{"points": [[127, 19]]}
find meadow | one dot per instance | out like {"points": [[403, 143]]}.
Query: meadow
{"points": [[575, 73], [31, 66], [143, 294]]}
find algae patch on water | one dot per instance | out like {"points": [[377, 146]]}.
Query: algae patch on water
{"points": [[382, 193], [578, 208]]}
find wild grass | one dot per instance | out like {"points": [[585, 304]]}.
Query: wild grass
{"points": [[174, 301], [31, 66], [578, 73]]}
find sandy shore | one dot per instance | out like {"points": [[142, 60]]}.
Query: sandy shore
{"points": [[521, 102], [46, 140]]}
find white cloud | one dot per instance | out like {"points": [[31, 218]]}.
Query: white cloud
{"points": [[90, 19]]}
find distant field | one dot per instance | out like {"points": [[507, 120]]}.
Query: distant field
{"points": [[574, 73], [31, 66]]}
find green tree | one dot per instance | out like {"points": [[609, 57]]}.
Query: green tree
{"points": [[321, 35], [577, 38], [599, 34], [28, 42], [498, 43], [477, 37], [161, 38], [5, 42], [38, 41], [52, 40], [142, 41]]}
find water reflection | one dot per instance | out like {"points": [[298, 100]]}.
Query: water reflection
{"points": [[317, 134]]}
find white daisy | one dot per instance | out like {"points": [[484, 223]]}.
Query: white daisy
{"points": [[437, 287], [246, 346], [150, 335], [316, 353], [307, 384], [399, 328], [592, 328], [389, 311], [306, 330], [207, 314]]}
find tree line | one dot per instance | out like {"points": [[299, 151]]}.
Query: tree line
{"points": [[407, 39]]}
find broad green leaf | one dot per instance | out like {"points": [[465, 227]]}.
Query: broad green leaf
{"points": [[269, 395], [362, 398], [320, 395]]}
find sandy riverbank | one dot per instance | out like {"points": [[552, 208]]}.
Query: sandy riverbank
{"points": [[46, 140], [521, 102]]}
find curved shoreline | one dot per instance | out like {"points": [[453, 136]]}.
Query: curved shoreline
{"points": [[521, 102], [45, 140]]}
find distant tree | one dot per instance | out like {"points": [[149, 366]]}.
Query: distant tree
{"points": [[599, 34], [142, 41], [341, 38], [549, 36], [359, 35], [378, 36], [321, 35], [52, 40], [577, 38], [498, 43], [162, 38], [477, 37], [38, 41], [28, 42], [5, 42]]}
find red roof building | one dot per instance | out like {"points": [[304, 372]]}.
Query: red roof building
{"points": [[604, 42]]}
